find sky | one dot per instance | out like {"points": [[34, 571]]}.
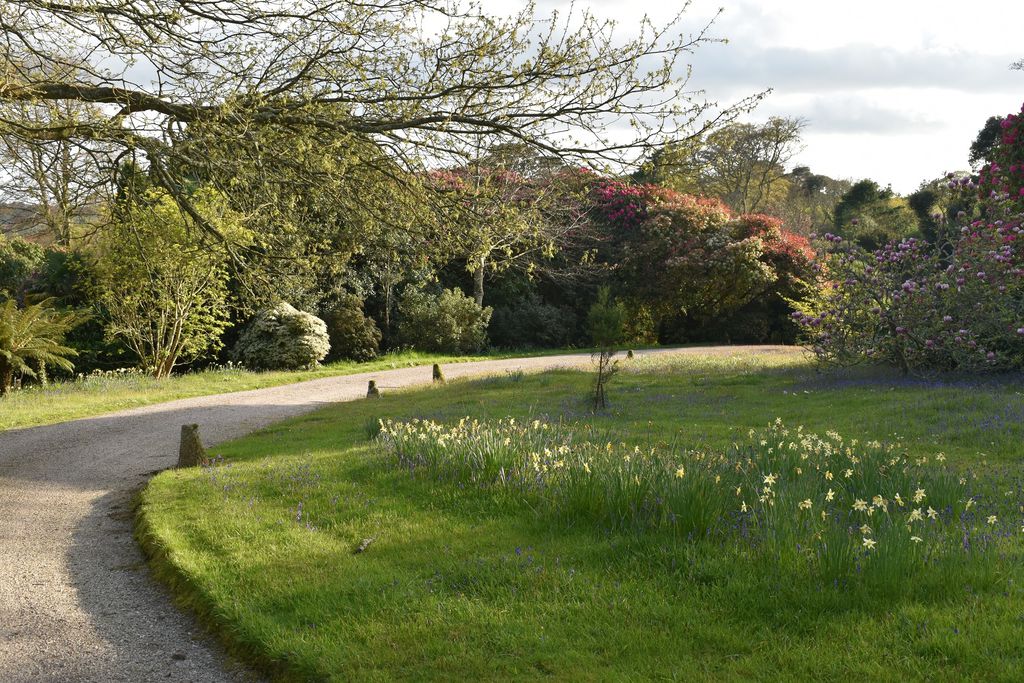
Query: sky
{"points": [[892, 90]]}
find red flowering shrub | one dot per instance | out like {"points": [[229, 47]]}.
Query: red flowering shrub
{"points": [[790, 255], [689, 261]]}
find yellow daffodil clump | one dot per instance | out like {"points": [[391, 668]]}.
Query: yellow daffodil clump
{"points": [[884, 507]]}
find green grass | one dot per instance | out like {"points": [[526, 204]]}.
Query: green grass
{"points": [[461, 584], [95, 395]]}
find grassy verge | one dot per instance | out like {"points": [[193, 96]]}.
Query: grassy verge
{"points": [[460, 582], [109, 392]]}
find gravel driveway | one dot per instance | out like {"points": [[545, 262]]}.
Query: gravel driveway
{"points": [[76, 600]]}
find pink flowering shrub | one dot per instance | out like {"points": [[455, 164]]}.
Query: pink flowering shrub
{"points": [[1005, 175], [621, 205], [918, 305]]}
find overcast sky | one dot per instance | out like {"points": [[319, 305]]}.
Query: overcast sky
{"points": [[893, 90]]}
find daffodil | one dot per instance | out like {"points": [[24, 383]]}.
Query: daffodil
{"points": [[769, 480], [916, 539], [919, 495], [860, 505], [681, 472], [915, 515], [865, 530], [828, 476], [932, 513], [830, 495], [805, 504], [869, 543], [991, 519]]}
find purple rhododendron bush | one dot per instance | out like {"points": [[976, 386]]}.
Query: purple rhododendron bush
{"points": [[957, 304]]}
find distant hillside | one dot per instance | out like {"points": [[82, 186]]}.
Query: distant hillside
{"points": [[22, 220]]}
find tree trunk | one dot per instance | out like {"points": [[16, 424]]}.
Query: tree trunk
{"points": [[41, 375], [478, 284], [165, 367], [6, 376], [191, 452], [388, 337]]}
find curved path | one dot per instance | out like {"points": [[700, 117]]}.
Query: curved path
{"points": [[76, 600]]}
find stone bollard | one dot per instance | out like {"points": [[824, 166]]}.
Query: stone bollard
{"points": [[438, 375], [191, 452], [372, 391], [629, 354]]}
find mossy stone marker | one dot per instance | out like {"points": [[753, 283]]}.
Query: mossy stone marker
{"points": [[438, 375], [372, 391], [191, 452]]}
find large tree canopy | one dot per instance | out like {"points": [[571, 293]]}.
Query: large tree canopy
{"points": [[743, 164], [403, 84]]}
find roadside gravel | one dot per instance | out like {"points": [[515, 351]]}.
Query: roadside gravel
{"points": [[77, 602]]}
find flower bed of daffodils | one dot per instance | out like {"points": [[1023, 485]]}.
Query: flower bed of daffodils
{"points": [[841, 508]]}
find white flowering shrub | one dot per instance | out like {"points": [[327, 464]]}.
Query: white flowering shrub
{"points": [[282, 338]]}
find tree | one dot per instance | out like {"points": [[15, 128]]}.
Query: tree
{"points": [[872, 216], [810, 204], [32, 338], [20, 261], [606, 319], [743, 164], [60, 179], [506, 220], [491, 207], [410, 83], [938, 204], [985, 142], [163, 295]]}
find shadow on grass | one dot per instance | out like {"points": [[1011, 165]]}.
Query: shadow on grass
{"points": [[146, 637]]}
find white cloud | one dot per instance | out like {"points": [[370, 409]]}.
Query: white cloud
{"points": [[734, 67], [847, 113]]}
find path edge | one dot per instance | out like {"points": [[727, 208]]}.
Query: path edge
{"points": [[188, 597]]}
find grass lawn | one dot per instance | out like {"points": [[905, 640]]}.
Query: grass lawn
{"points": [[463, 582], [95, 395]]}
